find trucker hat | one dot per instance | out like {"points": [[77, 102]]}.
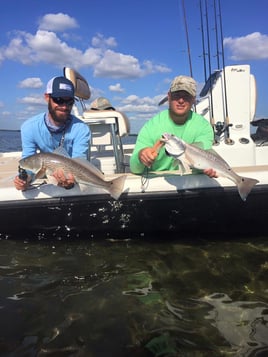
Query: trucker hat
{"points": [[60, 87]]}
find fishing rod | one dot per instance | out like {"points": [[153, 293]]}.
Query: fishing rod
{"points": [[228, 140], [211, 112], [203, 40], [216, 35], [187, 38], [188, 43], [188, 50]]}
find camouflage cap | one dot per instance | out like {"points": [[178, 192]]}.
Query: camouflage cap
{"points": [[188, 84], [101, 103]]}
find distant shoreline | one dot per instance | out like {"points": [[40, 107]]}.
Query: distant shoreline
{"points": [[18, 130]]}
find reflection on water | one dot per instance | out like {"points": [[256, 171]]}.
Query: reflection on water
{"points": [[133, 298], [241, 323]]}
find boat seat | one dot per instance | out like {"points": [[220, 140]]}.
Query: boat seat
{"points": [[121, 119], [81, 88], [107, 128]]}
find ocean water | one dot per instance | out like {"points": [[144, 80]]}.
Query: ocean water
{"points": [[10, 141], [98, 298]]}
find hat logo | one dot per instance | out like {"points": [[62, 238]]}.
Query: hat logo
{"points": [[65, 86]]}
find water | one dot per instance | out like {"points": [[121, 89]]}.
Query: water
{"points": [[139, 298], [10, 141], [127, 298]]}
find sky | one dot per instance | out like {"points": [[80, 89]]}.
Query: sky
{"points": [[129, 51]]}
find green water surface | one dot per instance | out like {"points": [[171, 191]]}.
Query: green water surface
{"points": [[134, 298]]}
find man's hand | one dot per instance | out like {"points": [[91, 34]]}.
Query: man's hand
{"points": [[210, 173], [149, 154], [66, 181], [20, 184]]}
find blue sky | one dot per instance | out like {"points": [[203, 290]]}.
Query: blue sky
{"points": [[129, 51]]}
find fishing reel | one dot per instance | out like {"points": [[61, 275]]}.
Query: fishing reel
{"points": [[221, 127], [22, 173]]}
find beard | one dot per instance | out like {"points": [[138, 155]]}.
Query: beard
{"points": [[59, 115]]}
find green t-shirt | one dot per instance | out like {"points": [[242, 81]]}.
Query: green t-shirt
{"points": [[196, 129]]}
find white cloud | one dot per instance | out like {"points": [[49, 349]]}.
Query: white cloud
{"points": [[17, 51], [33, 100], [45, 46], [57, 22], [251, 47], [33, 82], [142, 105], [116, 88], [100, 41], [118, 65]]}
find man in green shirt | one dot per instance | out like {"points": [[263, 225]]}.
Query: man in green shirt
{"points": [[178, 120]]}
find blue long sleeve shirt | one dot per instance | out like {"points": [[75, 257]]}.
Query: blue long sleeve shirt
{"points": [[36, 136]]}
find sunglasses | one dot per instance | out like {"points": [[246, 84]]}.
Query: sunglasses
{"points": [[181, 95], [61, 101]]}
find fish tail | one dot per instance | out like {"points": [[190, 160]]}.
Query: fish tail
{"points": [[245, 185], [116, 187]]}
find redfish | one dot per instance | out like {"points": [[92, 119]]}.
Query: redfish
{"points": [[190, 155]]}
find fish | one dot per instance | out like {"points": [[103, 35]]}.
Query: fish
{"points": [[193, 156], [84, 172]]}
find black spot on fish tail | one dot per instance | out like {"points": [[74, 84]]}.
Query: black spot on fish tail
{"points": [[116, 187], [245, 186]]}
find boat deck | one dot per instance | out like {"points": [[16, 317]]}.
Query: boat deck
{"points": [[8, 168], [169, 181]]}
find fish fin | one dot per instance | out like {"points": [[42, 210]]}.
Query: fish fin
{"points": [[185, 165], [61, 151], [176, 164], [89, 165], [116, 186], [245, 185], [180, 165], [213, 152], [52, 180], [40, 174], [199, 145], [187, 169]]}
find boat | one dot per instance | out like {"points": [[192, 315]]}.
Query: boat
{"points": [[155, 204]]}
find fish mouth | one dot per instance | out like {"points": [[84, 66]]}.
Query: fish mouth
{"points": [[165, 137]]}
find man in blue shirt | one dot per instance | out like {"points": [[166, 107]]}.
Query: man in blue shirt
{"points": [[46, 132]]}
